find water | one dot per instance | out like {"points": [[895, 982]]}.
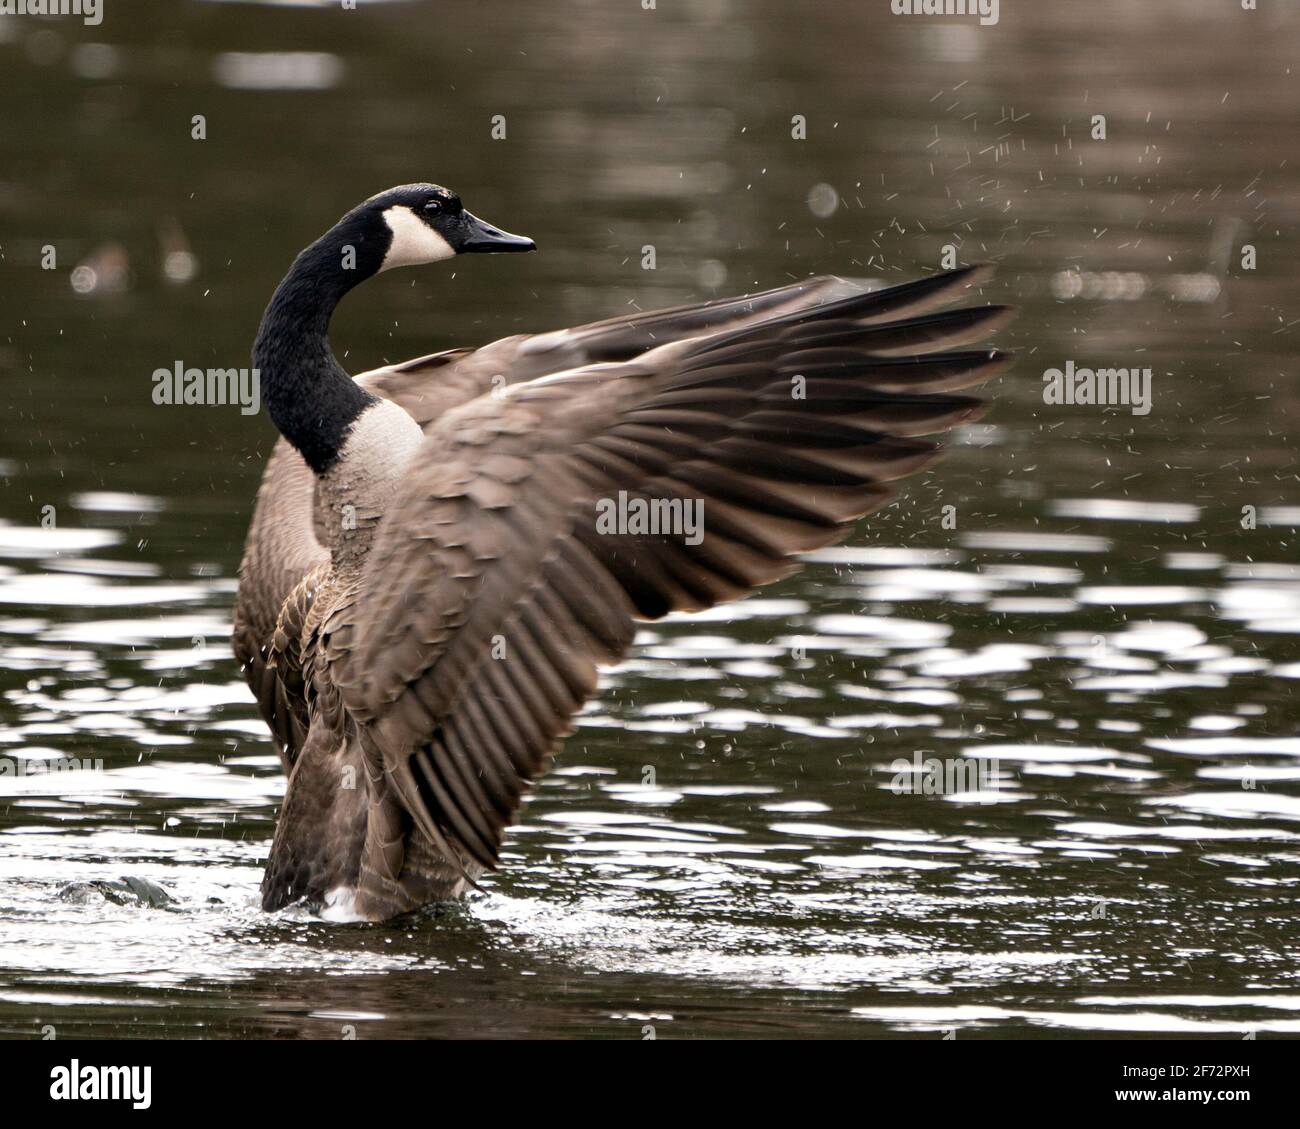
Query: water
{"points": [[719, 851]]}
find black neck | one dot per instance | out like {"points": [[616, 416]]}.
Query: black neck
{"points": [[308, 395]]}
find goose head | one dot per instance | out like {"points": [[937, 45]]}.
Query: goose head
{"points": [[426, 223], [307, 393]]}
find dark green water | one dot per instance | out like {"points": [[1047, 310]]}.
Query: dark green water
{"points": [[1103, 628]]}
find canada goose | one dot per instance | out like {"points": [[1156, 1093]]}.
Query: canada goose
{"points": [[424, 597]]}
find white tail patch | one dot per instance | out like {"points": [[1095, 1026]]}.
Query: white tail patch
{"points": [[414, 241]]}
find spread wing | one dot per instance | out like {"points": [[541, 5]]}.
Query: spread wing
{"points": [[283, 544], [493, 593]]}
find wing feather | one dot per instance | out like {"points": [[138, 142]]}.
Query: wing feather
{"points": [[491, 599]]}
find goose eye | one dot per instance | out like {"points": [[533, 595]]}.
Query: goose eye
{"points": [[433, 207]]}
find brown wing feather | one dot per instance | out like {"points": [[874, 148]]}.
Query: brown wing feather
{"points": [[490, 600]]}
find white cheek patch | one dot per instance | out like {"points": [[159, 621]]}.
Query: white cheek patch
{"points": [[414, 241]]}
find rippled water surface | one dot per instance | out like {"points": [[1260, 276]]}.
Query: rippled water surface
{"points": [[1096, 612]]}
